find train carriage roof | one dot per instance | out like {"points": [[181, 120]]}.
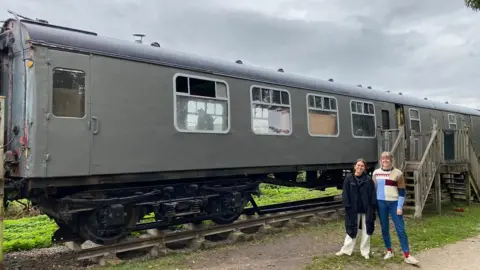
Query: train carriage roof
{"points": [[50, 35]]}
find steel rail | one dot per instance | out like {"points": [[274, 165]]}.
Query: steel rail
{"points": [[199, 232]]}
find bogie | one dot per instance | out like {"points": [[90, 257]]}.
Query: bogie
{"points": [[109, 215]]}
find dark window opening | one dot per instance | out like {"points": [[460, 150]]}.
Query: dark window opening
{"points": [[182, 84], [276, 97], [202, 88], [285, 98], [256, 95], [385, 120]]}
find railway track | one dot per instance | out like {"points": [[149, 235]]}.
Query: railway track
{"points": [[156, 242]]}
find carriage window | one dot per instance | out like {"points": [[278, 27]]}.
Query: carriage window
{"points": [[452, 121], [363, 119], [201, 105], [271, 111], [414, 116], [322, 115], [68, 97]]}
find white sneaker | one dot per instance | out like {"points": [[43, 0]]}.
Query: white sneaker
{"points": [[366, 257], [389, 255], [411, 260], [341, 253]]}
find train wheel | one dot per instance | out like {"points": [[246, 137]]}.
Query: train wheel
{"points": [[232, 215], [92, 227]]}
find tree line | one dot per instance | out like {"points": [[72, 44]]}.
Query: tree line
{"points": [[473, 4]]}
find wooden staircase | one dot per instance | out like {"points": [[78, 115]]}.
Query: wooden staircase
{"points": [[408, 174], [455, 176], [455, 183]]}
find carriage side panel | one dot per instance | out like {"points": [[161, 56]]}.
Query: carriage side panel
{"points": [[139, 131]]}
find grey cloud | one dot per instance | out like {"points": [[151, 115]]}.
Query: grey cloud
{"points": [[391, 45]]}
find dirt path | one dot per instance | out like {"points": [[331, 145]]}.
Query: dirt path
{"points": [[462, 255], [286, 252], [294, 252]]}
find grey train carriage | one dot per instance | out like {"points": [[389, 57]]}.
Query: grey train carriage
{"points": [[102, 131]]}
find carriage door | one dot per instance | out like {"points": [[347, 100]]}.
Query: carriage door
{"points": [[69, 134]]}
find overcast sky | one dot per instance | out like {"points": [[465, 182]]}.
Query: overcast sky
{"points": [[425, 48]]}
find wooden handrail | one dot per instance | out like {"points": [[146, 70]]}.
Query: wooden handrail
{"points": [[425, 172], [427, 150], [400, 141], [397, 148], [474, 165], [400, 137]]}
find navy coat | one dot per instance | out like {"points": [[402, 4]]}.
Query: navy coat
{"points": [[353, 191]]}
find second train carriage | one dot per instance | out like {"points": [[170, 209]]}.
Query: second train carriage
{"points": [[101, 131]]}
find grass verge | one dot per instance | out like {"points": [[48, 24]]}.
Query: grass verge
{"points": [[430, 232]]}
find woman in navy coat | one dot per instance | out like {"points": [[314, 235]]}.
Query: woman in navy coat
{"points": [[360, 202]]}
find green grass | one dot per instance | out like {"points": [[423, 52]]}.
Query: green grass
{"points": [[430, 232], [271, 194], [20, 209], [28, 233]]}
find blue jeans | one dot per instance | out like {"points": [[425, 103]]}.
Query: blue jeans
{"points": [[384, 209]]}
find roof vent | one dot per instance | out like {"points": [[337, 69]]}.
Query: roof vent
{"points": [[400, 93], [138, 38], [239, 62], [425, 98], [280, 70], [369, 87], [388, 91], [359, 85], [155, 44], [330, 80], [446, 102]]}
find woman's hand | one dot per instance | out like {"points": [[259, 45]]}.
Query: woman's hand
{"points": [[399, 212]]}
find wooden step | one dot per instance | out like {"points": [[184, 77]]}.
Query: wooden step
{"points": [[458, 189], [409, 178], [411, 165], [457, 193]]}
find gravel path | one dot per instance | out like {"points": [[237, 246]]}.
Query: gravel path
{"points": [[462, 255], [295, 252], [58, 257], [285, 252]]}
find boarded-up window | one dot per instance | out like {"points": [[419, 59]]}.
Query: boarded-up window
{"points": [[322, 115], [415, 123], [271, 111], [452, 121], [68, 97], [363, 119], [201, 105]]}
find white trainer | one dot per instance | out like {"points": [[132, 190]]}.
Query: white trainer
{"points": [[411, 260], [341, 253], [389, 255], [366, 257]]}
